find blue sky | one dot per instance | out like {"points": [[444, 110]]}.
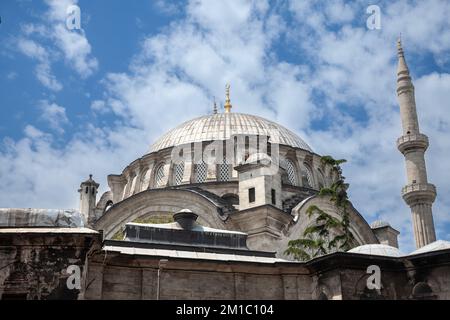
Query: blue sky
{"points": [[92, 100]]}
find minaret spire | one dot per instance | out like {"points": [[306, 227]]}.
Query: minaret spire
{"points": [[418, 193], [227, 105]]}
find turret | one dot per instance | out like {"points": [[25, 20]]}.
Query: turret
{"points": [[88, 194]]}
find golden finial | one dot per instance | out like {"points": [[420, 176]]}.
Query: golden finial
{"points": [[227, 105]]}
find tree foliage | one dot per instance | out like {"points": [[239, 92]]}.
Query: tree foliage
{"points": [[317, 239]]}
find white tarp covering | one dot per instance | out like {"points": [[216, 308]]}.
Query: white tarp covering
{"points": [[28, 217]]}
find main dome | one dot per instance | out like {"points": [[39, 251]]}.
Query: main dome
{"points": [[222, 126]]}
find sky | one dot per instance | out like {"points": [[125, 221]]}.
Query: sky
{"points": [[92, 100]]}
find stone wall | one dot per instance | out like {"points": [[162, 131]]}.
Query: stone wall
{"points": [[336, 276], [34, 262]]}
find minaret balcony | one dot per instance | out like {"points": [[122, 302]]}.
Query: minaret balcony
{"points": [[419, 192], [412, 142]]}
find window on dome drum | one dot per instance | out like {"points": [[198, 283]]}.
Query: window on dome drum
{"points": [[178, 172], [223, 170], [307, 179], [159, 176], [274, 199], [200, 172], [290, 171], [251, 195], [247, 147]]}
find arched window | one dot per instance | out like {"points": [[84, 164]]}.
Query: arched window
{"points": [[200, 172], [307, 178], [291, 172], [108, 205], [178, 172], [159, 176], [223, 170], [247, 148]]}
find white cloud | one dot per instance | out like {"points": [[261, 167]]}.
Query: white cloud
{"points": [[71, 44], [98, 106], [54, 115], [43, 70]]}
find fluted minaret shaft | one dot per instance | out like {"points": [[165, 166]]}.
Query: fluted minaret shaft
{"points": [[418, 193]]}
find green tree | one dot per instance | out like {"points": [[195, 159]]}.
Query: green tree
{"points": [[317, 239]]}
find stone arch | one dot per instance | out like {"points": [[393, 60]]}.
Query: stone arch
{"points": [[232, 198], [359, 227], [158, 201], [423, 291]]}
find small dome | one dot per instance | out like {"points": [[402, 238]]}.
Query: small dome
{"points": [[379, 224], [377, 250], [434, 246]]}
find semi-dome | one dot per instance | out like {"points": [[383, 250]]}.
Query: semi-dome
{"points": [[223, 126], [433, 246], [377, 250]]}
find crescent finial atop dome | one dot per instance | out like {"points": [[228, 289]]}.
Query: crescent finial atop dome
{"points": [[227, 105]]}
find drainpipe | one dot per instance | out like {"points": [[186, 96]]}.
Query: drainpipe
{"points": [[162, 263]]}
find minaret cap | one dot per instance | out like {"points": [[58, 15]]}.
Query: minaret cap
{"points": [[227, 105], [402, 66], [90, 181]]}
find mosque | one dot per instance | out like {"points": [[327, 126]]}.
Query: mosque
{"points": [[209, 213]]}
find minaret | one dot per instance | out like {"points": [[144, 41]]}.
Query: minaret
{"points": [[88, 194], [227, 105], [418, 194]]}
